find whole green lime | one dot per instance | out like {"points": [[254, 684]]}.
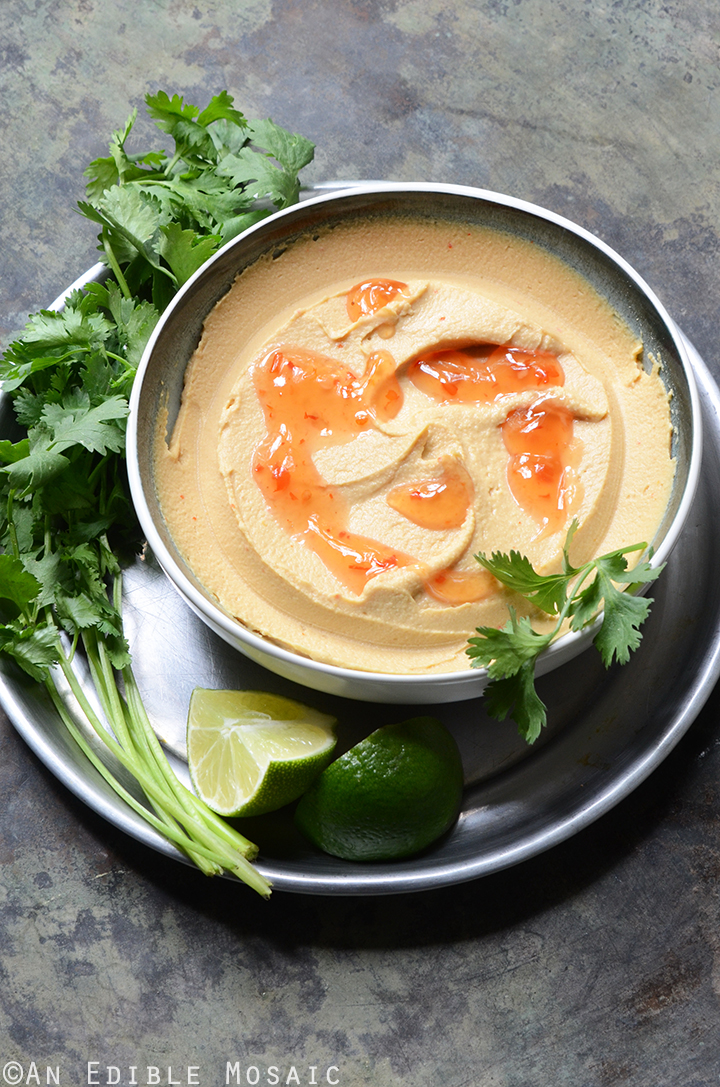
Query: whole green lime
{"points": [[389, 796]]}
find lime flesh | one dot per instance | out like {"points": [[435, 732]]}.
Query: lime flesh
{"points": [[250, 752], [388, 797]]}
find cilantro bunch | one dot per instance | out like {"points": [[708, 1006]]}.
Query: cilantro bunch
{"points": [[67, 526], [576, 596], [162, 216]]}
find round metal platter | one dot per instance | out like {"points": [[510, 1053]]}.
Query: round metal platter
{"points": [[607, 732]]}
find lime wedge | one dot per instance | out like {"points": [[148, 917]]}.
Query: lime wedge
{"points": [[250, 752]]}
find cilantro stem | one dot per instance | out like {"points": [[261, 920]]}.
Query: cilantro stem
{"points": [[12, 531], [173, 162], [112, 261], [145, 734], [191, 803], [98, 469], [237, 864], [104, 682], [198, 836], [141, 737], [582, 574], [120, 359]]}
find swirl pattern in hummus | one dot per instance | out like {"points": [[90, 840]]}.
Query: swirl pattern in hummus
{"points": [[335, 468]]}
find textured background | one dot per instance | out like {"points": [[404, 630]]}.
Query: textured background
{"points": [[595, 965]]}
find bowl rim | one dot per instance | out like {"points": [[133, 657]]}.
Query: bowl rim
{"points": [[560, 650]]}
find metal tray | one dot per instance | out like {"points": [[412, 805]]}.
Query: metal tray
{"points": [[608, 730]]}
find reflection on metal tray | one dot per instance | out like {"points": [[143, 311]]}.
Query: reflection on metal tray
{"points": [[609, 729]]}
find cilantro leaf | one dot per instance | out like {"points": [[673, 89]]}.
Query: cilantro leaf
{"points": [[504, 652], [237, 223], [35, 649], [185, 251], [117, 168], [201, 202], [35, 471], [615, 565], [131, 223], [291, 150], [10, 452], [547, 591], [135, 322], [101, 174], [20, 363], [221, 107], [48, 329], [260, 177], [509, 656], [516, 695], [586, 605], [48, 574], [16, 584], [79, 424], [623, 615], [180, 120], [228, 137]]}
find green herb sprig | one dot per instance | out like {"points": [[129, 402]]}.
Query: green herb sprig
{"points": [[576, 596], [67, 526]]}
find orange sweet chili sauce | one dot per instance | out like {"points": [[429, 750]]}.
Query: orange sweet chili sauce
{"points": [[468, 377], [440, 502], [311, 401], [443, 502], [538, 438], [371, 295]]}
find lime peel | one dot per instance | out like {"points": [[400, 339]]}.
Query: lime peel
{"points": [[388, 797]]}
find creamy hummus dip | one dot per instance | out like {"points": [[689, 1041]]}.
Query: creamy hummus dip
{"points": [[373, 407]]}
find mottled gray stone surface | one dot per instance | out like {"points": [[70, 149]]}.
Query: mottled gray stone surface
{"points": [[595, 965]]}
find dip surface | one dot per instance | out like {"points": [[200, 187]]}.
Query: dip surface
{"points": [[372, 408]]}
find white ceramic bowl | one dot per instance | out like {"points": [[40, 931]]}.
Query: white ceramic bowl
{"points": [[161, 373]]}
